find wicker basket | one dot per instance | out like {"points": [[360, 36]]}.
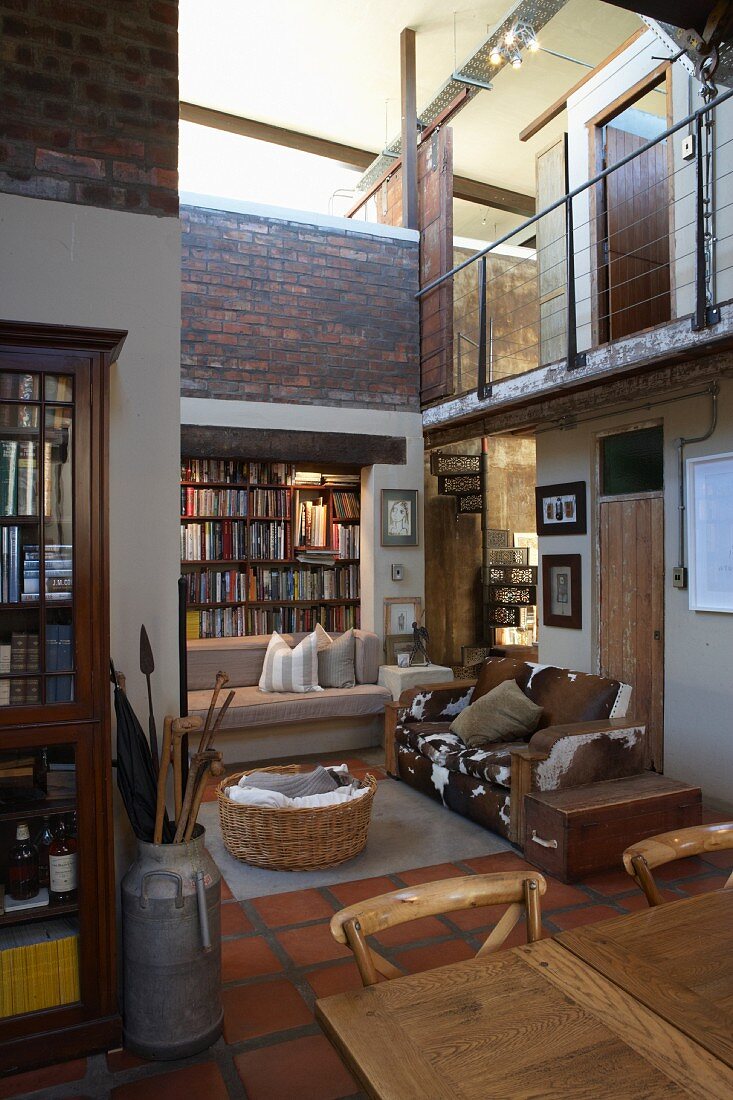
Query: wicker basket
{"points": [[294, 840]]}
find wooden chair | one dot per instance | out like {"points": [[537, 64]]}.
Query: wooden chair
{"points": [[519, 890], [640, 859]]}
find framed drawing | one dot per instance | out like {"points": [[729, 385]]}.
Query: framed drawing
{"points": [[561, 591], [399, 648], [710, 532], [399, 517], [400, 612], [561, 509]]}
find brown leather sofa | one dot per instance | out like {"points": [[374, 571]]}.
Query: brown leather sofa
{"points": [[583, 737]]}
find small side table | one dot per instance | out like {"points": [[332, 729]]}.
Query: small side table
{"points": [[397, 679]]}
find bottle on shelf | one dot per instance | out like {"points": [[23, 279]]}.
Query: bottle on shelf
{"points": [[23, 866], [43, 843], [62, 867]]}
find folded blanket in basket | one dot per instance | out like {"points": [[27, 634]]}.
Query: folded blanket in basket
{"points": [[275, 800], [294, 786]]}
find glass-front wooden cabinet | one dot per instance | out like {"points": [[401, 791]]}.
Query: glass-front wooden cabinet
{"points": [[57, 958]]}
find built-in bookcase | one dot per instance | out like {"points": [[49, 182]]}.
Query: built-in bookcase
{"points": [[267, 546]]}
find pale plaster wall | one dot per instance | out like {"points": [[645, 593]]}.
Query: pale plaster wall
{"points": [[698, 645], [376, 560], [79, 265]]}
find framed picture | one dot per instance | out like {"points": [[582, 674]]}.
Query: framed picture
{"points": [[561, 509], [400, 612], [710, 532], [399, 517], [561, 591], [399, 648]]}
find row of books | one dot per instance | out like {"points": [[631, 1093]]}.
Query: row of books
{"points": [[230, 470], [213, 502], [18, 386], [312, 523], [237, 622], [39, 966], [271, 502], [58, 572], [271, 473], [345, 505], [219, 540], [19, 477], [20, 655], [269, 540], [345, 539], [10, 565], [341, 583], [216, 586]]}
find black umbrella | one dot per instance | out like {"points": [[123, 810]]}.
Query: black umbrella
{"points": [[136, 777]]}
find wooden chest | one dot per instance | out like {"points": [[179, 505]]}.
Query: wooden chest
{"points": [[574, 832]]}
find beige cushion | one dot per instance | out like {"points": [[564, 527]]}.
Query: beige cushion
{"points": [[292, 670], [252, 707], [503, 714], [335, 659], [367, 656]]}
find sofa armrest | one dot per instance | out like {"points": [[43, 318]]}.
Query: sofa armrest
{"points": [[588, 752], [436, 702], [391, 717]]}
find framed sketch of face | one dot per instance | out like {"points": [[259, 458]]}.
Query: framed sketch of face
{"points": [[399, 517]]}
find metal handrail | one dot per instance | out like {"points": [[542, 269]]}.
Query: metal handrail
{"points": [[695, 118]]}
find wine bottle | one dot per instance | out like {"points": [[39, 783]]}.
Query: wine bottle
{"points": [[62, 867], [23, 866]]}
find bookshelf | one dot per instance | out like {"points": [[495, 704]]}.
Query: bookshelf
{"points": [[57, 950], [268, 546]]}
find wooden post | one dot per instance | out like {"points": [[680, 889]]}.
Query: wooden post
{"points": [[408, 94]]}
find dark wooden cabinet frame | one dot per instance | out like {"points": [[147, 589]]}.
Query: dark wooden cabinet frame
{"points": [[93, 1023]]}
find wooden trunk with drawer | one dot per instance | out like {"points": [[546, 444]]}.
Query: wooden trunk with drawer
{"points": [[573, 832]]}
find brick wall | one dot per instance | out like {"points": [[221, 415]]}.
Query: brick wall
{"points": [[89, 102], [281, 311]]}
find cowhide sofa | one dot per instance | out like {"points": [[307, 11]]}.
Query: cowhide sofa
{"points": [[583, 737], [260, 725]]}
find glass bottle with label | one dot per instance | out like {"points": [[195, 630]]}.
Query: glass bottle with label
{"points": [[62, 867], [23, 866], [43, 842]]}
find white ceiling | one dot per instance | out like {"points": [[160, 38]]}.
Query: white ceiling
{"points": [[331, 68]]}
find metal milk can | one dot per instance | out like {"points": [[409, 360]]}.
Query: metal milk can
{"points": [[171, 937]]}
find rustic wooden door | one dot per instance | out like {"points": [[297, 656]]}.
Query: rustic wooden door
{"points": [[551, 183], [636, 248], [632, 607]]}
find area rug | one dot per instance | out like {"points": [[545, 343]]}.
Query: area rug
{"points": [[407, 830]]}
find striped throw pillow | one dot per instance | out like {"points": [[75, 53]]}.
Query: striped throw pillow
{"points": [[286, 669], [335, 659]]}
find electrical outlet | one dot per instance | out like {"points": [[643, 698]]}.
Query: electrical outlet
{"points": [[679, 577], [688, 147], [398, 572]]}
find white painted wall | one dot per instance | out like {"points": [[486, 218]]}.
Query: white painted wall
{"points": [[78, 265], [698, 645], [376, 560]]}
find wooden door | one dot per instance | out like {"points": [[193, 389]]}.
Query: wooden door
{"points": [[551, 182], [632, 607], [637, 237]]}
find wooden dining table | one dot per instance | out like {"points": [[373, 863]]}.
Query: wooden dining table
{"points": [[614, 1010]]}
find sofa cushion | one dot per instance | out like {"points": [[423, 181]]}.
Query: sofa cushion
{"points": [[567, 697], [503, 714], [434, 741], [287, 669], [496, 670], [252, 707], [335, 659], [367, 654]]}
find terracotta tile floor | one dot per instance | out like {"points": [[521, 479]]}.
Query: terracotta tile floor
{"points": [[278, 957]]}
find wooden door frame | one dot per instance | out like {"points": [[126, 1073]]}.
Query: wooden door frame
{"points": [[596, 195], [600, 498]]}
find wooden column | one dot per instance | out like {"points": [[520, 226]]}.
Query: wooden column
{"points": [[408, 93]]}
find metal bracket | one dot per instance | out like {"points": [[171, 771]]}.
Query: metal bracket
{"points": [[472, 81], [712, 317], [580, 359]]}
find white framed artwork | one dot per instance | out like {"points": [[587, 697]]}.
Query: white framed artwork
{"points": [[710, 532]]}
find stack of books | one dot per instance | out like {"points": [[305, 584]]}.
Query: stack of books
{"points": [[306, 477], [312, 523], [39, 966], [341, 479]]}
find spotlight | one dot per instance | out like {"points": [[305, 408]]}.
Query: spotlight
{"points": [[495, 56], [509, 37], [517, 61], [533, 45]]}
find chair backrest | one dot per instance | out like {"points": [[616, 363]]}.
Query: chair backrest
{"points": [[655, 851], [519, 890]]}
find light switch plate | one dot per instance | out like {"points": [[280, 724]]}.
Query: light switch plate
{"points": [[688, 147], [679, 577], [398, 572]]}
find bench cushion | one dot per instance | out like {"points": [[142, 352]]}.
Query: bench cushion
{"points": [[252, 707], [435, 741]]}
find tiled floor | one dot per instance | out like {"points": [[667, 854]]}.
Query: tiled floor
{"points": [[278, 957]]}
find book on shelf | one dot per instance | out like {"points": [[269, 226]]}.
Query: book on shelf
{"points": [[346, 539], [8, 476], [24, 653], [270, 473], [39, 966], [27, 488], [312, 523], [229, 470], [214, 540], [345, 505], [10, 570], [59, 658], [4, 671], [59, 387], [341, 479], [213, 502], [306, 477]]}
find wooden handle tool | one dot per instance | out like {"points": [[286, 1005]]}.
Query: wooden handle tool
{"points": [[179, 729], [219, 720], [199, 761], [162, 776], [221, 679], [215, 768]]}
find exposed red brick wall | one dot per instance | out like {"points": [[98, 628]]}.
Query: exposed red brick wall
{"points": [[89, 102], [281, 311]]}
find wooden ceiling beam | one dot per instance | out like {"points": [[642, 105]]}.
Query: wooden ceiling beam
{"points": [[486, 194], [560, 104]]}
